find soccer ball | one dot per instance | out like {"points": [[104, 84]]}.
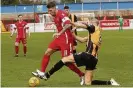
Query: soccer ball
{"points": [[33, 81]]}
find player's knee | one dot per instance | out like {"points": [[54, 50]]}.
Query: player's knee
{"points": [[48, 52], [16, 43], [64, 60], [68, 59]]}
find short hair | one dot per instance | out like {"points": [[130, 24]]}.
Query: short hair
{"points": [[95, 21], [20, 15], [66, 7], [51, 4]]}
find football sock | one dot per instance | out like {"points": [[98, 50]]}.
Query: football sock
{"points": [[100, 82], [75, 69], [24, 49], [56, 67], [16, 50], [45, 62]]}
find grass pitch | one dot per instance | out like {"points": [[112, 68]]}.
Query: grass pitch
{"points": [[115, 60]]}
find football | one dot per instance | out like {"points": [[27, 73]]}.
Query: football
{"points": [[34, 81]]}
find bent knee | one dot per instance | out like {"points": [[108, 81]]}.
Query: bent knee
{"points": [[68, 59], [48, 52]]}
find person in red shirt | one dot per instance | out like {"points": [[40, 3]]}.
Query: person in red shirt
{"points": [[20, 27], [63, 40], [73, 19]]}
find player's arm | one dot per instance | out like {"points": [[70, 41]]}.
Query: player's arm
{"points": [[79, 25], [27, 28], [66, 24], [28, 31], [62, 31], [80, 39], [65, 28]]}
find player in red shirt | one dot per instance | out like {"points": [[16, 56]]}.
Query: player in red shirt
{"points": [[20, 27], [63, 40]]}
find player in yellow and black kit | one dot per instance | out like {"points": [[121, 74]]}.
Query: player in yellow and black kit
{"points": [[73, 19], [89, 58]]}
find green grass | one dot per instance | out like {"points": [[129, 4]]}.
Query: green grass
{"points": [[115, 60]]}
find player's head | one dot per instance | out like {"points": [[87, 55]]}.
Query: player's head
{"points": [[20, 17], [51, 8], [91, 28], [66, 9], [94, 21]]}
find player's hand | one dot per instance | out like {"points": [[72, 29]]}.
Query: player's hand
{"points": [[74, 29], [56, 35]]}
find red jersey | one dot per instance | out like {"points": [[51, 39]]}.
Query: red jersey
{"points": [[21, 30], [61, 19]]}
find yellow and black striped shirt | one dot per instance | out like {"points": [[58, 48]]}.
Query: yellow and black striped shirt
{"points": [[94, 41]]}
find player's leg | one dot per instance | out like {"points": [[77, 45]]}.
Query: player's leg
{"points": [[24, 42], [44, 64], [46, 58], [122, 26], [102, 82], [90, 63], [74, 68], [17, 46], [65, 51], [59, 65], [88, 77]]}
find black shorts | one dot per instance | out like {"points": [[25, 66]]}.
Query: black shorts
{"points": [[85, 59]]}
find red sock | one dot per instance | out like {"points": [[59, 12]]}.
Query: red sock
{"points": [[45, 62], [75, 69], [16, 49], [24, 49]]}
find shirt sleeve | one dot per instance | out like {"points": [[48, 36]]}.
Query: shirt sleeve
{"points": [[64, 18]]}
